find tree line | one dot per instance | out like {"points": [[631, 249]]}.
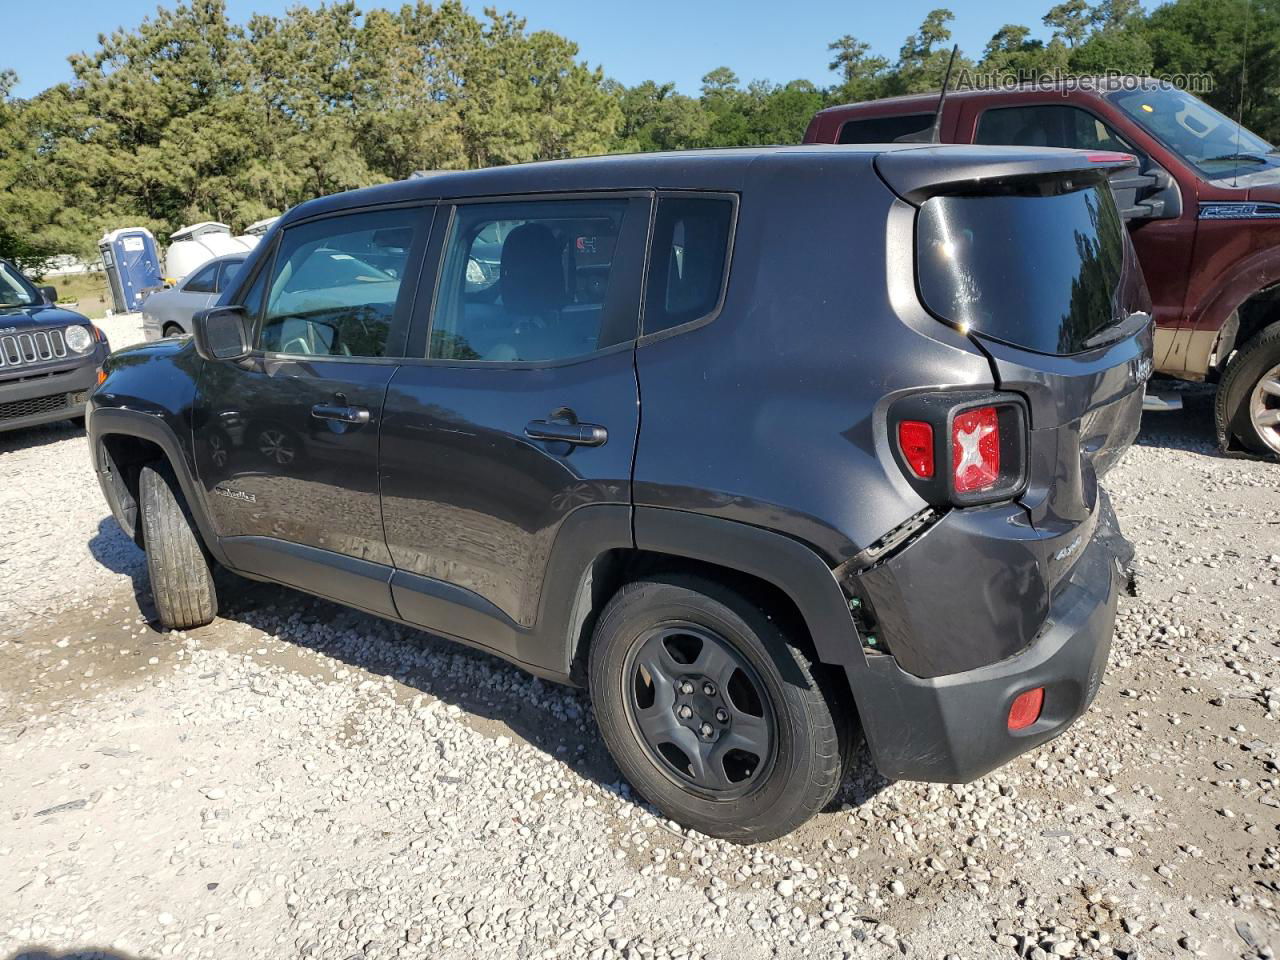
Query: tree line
{"points": [[190, 117]]}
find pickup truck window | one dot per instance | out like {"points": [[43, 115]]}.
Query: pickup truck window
{"points": [[885, 129], [1036, 264], [1191, 128], [525, 281], [335, 283], [1047, 126]]}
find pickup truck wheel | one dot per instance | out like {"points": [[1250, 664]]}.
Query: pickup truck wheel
{"points": [[181, 572], [1249, 395], [710, 713]]}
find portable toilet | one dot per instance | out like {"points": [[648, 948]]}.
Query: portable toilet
{"points": [[133, 266], [192, 247]]}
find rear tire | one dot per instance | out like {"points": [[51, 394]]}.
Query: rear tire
{"points": [[1248, 406], [180, 570], [771, 692]]}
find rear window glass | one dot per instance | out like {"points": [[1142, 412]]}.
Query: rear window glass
{"points": [[885, 129], [688, 259], [1033, 263]]}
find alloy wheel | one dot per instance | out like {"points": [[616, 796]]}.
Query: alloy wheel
{"points": [[701, 710], [1264, 408]]}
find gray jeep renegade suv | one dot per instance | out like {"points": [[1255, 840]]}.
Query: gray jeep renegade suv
{"points": [[49, 357], [764, 447]]}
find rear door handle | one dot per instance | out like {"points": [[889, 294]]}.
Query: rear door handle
{"points": [[333, 411], [582, 434]]}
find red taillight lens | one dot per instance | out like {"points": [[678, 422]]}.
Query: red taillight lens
{"points": [[1025, 709], [915, 437], [975, 449]]}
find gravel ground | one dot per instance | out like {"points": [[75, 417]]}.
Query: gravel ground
{"points": [[299, 780]]}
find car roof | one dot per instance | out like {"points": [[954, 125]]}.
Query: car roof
{"points": [[715, 169]]}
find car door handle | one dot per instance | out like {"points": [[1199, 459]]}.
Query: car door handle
{"points": [[582, 434], [333, 411]]}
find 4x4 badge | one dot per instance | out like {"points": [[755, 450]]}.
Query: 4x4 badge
{"points": [[231, 493]]}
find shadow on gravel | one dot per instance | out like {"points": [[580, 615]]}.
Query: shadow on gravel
{"points": [[91, 954], [29, 438], [115, 551], [501, 698]]}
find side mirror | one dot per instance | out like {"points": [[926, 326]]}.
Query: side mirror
{"points": [[222, 333], [1151, 194], [50, 294]]}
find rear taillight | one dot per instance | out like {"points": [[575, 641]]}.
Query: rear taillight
{"points": [[961, 448], [975, 450], [915, 440]]}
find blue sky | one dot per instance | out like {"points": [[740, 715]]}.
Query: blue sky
{"points": [[666, 40]]}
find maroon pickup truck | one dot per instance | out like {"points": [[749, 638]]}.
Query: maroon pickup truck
{"points": [[1203, 210]]}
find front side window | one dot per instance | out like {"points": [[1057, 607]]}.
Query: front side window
{"points": [[528, 281], [14, 289], [336, 282], [227, 274], [687, 265], [203, 280], [1048, 126]]}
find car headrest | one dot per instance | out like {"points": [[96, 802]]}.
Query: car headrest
{"points": [[533, 271]]}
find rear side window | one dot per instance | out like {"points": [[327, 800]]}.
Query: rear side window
{"points": [[203, 281], [1047, 126], [885, 129], [1035, 263], [689, 260], [530, 281], [335, 284]]}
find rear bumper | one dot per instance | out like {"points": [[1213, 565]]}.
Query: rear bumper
{"points": [[954, 728], [45, 399]]}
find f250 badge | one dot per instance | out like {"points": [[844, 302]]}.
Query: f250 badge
{"points": [[231, 493]]}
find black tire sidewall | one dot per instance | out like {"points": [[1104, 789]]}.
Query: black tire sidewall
{"points": [[1257, 356], [782, 799]]}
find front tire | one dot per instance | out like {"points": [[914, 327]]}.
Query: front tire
{"points": [[711, 713], [1248, 406], [180, 570]]}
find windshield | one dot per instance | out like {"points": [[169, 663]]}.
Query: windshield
{"points": [[1212, 142], [1035, 263], [14, 289]]}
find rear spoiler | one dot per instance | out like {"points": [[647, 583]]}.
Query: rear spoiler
{"points": [[915, 174]]}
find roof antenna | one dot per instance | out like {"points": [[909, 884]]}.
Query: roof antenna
{"points": [[936, 136], [1244, 76]]}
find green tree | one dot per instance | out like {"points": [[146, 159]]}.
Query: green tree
{"points": [[1070, 21], [923, 60], [1012, 53], [862, 74]]}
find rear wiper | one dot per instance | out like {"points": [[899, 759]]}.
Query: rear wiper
{"points": [[1119, 330], [1235, 156]]}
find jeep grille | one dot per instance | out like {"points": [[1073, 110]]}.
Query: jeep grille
{"points": [[19, 349]]}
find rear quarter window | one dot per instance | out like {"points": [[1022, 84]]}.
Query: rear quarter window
{"points": [[1034, 263], [688, 262]]}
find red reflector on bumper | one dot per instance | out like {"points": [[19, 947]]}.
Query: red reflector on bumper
{"points": [[1025, 709]]}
